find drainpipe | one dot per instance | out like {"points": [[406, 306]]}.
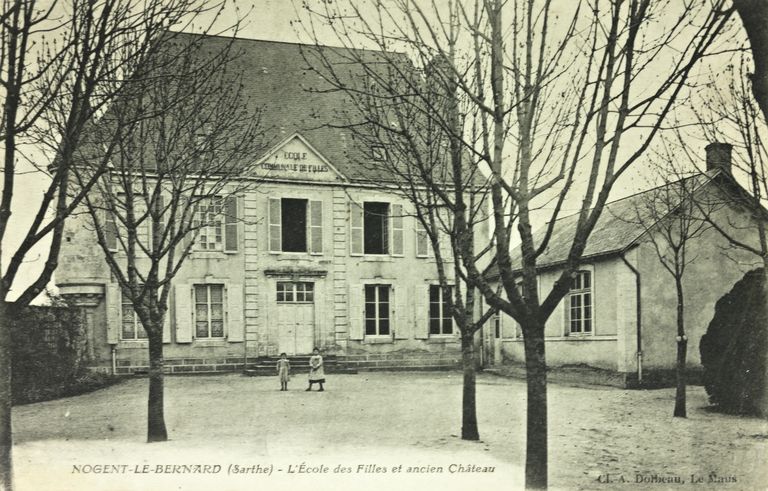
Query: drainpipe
{"points": [[114, 359], [639, 317], [245, 350]]}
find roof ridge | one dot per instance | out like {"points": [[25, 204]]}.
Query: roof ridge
{"points": [[638, 193], [292, 43]]}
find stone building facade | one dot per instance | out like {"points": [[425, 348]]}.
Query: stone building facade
{"points": [[321, 254]]}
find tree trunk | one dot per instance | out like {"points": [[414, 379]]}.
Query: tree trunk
{"points": [[536, 380], [6, 438], [156, 431], [682, 350], [754, 16], [469, 429], [764, 399]]}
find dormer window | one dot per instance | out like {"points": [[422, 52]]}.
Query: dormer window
{"points": [[379, 153]]}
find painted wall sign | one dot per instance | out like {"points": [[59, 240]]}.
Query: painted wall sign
{"points": [[296, 160]]}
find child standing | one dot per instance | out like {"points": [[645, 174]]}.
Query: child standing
{"points": [[283, 370], [316, 372]]}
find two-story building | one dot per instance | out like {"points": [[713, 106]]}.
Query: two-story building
{"points": [[318, 252]]}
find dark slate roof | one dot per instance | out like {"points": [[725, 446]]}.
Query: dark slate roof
{"points": [[280, 80], [616, 230]]}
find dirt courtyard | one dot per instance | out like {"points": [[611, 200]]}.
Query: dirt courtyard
{"points": [[387, 431]]}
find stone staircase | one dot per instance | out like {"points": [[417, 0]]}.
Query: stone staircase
{"points": [[266, 365]]}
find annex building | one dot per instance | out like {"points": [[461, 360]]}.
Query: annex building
{"points": [[619, 317], [322, 253]]}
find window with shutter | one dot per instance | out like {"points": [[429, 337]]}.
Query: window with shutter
{"points": [[376, 227], [208, 223], [440, 318], [131, 328], [209, 311], [377, 310]]}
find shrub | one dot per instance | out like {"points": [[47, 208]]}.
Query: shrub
{"points": [[733, 350], [47, 359]]}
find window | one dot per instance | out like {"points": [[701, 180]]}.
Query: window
{"points": [[375, 227], [207, 222], [377, 310], [580, 303], [295, 225], [294, 220], [440, 319], [378, 152], [131, 328], [209, 311], [142, 223], [295, 292]]}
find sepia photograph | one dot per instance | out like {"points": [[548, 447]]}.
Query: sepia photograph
{"points": [[383, 245]]}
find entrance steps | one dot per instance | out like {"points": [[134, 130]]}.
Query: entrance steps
{"points": [[267, 365]]}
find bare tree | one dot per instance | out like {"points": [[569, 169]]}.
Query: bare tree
{"points": [[670, 218], [60, 64], [184, 138], [557, 103], [731, 113], [433, 173]]}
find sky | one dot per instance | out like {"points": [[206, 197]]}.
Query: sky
{"points": [[265, 19]]}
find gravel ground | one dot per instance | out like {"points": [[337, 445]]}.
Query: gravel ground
{"points": [[378, 431]]}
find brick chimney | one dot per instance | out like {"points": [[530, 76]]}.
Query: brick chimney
{"points": [[719, 156]]}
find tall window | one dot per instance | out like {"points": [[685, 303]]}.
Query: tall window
{"points": [[208, 215], [131, 328], [138, 207], [377, 310], [375, 227], [294, 220], [580, 303], [295, 292], [440, 319], [295, 225], [209, 311]]}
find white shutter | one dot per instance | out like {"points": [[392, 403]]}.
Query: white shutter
{"points": [[231, 222], [110, 230], [315, 227], [167, 327], [396, 216], [355, 229], [403, 315], [275, 225], [566, 314], [183, 305], [235, 317], [422, 241], [355, 303], [114, 320], [421, 317], [321, 314], [160, 213]]}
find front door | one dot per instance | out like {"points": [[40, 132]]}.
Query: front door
{"points": [[296, 318]]}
